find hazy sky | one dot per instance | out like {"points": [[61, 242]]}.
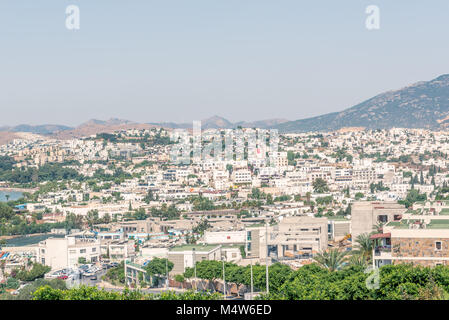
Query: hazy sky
{"points": [[183, 60]]}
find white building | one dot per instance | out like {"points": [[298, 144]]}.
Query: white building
{"points": [[59, 253]]}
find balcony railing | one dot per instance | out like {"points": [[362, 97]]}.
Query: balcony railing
{"points": [[380, 249]]}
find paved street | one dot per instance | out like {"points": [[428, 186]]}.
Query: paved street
{"points": [[88, 281]]}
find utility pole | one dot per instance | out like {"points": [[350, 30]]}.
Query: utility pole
{"points": [[224, 279], [166, 271], [266, 258], [252, 288], [194, 267]]}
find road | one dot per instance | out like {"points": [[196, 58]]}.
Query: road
{"points": [[87, 281], [98, 283]]}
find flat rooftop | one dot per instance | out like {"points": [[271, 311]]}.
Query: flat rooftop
{"points": [[434, 224], [191, 247]]}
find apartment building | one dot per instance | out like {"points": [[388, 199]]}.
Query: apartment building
{"points": [[419, 242], [225, 237], [242, 176], [117, 250], [338, 228], [188, 255], [59, 253], [293, 236], [365, 215], [298, 235]]}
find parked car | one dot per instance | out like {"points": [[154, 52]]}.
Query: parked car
{"points": [[63, 277]]}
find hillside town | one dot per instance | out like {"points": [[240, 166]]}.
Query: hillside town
{"points": [[115, 210]]}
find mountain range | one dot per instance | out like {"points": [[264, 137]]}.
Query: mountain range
{"points": [[217, 122], [421, 105], [44, 129]]}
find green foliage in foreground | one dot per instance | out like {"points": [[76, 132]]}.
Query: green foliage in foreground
{"points": [[26, 293], [315, 282], [396, 282], [93, 293], [37, 271], [311, 282], [212, 270]]}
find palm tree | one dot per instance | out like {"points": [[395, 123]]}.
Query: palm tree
{"points": [[332, 259], [320, 185], [358, 260], [364, 246], [378, 227]]}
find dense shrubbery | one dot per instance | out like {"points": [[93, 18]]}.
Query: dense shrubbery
{"points": [[15, 224], [116, 275], [37, 271], [167, 212], [396, 282], [312, 282], [93, 293], [159, 266], [202, 204], [10, 283], [27, 291], [412, 196], [53, 172], [18, 226], [47, 172], [278, 273]]}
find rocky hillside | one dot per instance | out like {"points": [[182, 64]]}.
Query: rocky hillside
{"points": [[421, 105]]}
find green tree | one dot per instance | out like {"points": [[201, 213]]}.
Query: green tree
{"points": [[37, 271], [140, 214], [320, 185], [332, 259], [364, 245], [159, 267]]}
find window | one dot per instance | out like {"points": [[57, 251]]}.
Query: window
{"points": [[83, 251], [382, 218], [94, 249], [438, 245]]}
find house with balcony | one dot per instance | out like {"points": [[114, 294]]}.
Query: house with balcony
{"points": [[421, 241]]}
